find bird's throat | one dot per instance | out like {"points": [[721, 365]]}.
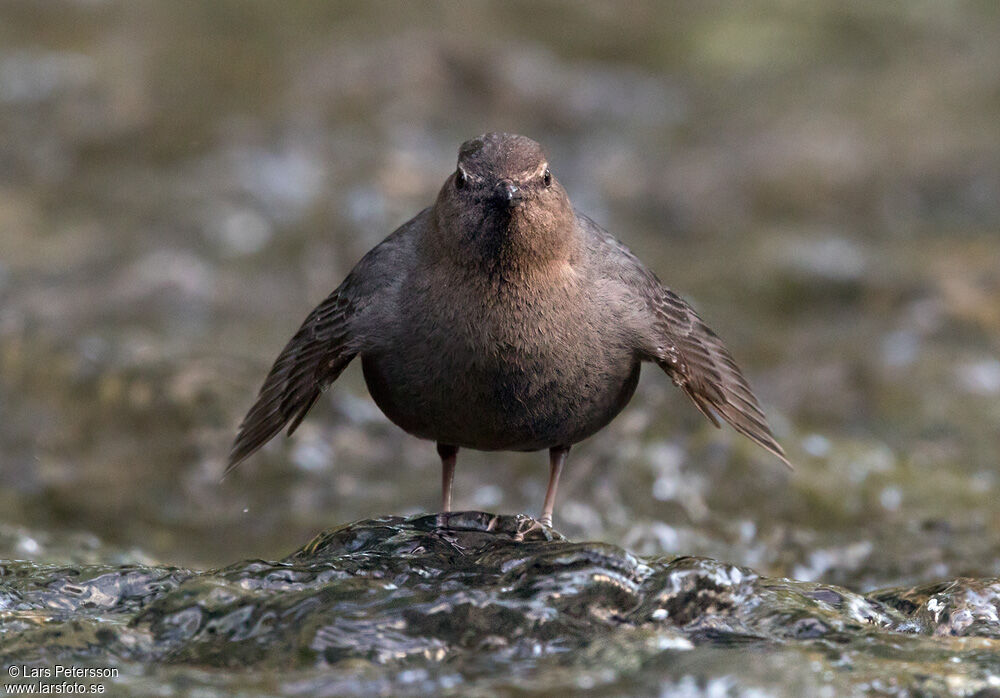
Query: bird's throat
{"points": [[514, 242]]}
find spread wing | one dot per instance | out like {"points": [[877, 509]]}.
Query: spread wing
{"points": [[683, 345], [324, 345], [699, 363], [311, 360]]}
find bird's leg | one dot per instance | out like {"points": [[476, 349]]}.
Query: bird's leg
{"points": [[557, 456], [449, 455]]}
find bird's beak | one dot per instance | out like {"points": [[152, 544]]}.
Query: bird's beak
{"points": [[508, 192]]}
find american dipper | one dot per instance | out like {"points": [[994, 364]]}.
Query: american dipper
{"points": [[501, 319]]}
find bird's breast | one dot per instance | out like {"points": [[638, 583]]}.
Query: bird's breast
{"points": [[509, 372]]}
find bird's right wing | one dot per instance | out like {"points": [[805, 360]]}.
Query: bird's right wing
{"points": [[323, 346], [311, 360]]}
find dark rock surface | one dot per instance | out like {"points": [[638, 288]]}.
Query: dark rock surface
{"points": [[472, 603]]}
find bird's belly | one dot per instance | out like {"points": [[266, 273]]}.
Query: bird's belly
{"points": [[484, 401]]}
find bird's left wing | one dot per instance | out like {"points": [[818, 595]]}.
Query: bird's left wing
{"points": [[699, 363], [671, 334]]}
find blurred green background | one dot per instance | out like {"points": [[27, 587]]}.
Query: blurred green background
{"points": [[180, 182]]}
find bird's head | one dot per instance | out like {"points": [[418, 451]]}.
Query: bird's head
{"points": [[502, 202]]}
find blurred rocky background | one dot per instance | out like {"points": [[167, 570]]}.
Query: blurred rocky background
{"points": [[180, 182]]}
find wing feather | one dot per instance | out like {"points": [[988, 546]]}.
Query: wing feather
{"points": [[685, 347], [325, 343], [311, 360], [701, 365]]}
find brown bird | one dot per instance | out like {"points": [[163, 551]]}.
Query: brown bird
{"points": [[501, 319]]}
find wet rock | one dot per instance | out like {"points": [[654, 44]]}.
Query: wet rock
{"points": [[456, 602], [962, 607]]}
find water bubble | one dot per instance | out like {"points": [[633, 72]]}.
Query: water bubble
{"points": [[900, 348], [487, 496], [28, 546], [816, 445], [241, 231], [980, 377], [891, 498]]}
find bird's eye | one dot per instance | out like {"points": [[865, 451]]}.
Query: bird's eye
{"points": [[547, 177], [461, 179]]}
